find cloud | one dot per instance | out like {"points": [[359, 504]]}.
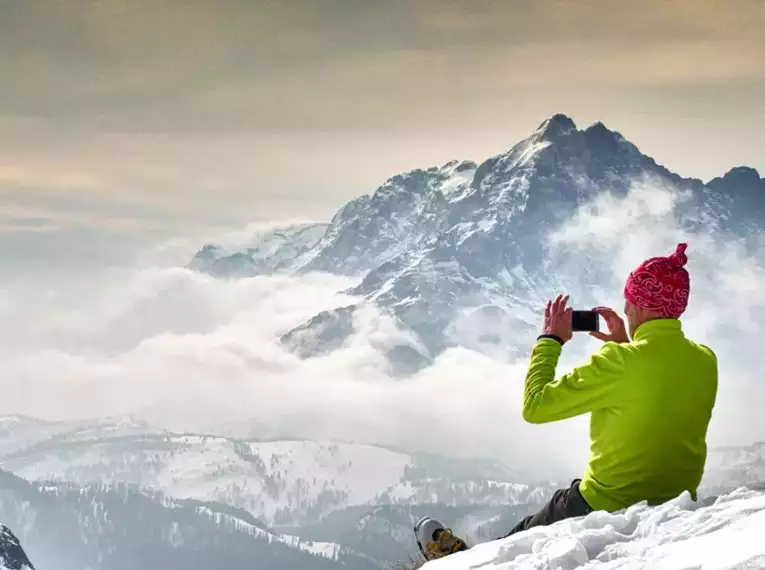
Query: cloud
{"points": [[22, 218], [193, 352]]}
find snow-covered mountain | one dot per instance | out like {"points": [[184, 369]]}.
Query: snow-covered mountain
{"points": [[332, 500], [343, 501], [459, 254], [21, 432], [116, 527], [273, 250], [286, 483]]}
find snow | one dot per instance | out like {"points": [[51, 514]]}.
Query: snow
{"points": [[467, 229], [345, 467], [209, 469], [329, 550], [20, 432], [681, 534], [487, 492], [261, 248], [529, 152], [263, 477], [280, 482], [457, 182]]}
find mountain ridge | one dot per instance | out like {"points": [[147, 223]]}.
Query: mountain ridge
{"points": [[281, 482], [439, 249], [115, 527], [185, 479]]}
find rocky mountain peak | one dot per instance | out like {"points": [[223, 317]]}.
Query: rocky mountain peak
{"points": [[454, 243], [743, 190], [556, 126], [742, 176]]}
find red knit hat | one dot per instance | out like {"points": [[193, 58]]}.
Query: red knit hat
{"points": [[661, 284]]}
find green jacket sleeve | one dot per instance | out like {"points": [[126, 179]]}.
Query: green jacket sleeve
{"points": [[598, 383]]}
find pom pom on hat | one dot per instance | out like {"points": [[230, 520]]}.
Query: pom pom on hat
{"points": [[679, 257]]}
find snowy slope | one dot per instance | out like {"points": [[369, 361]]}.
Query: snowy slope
{"points": [[284, 482], [21, 432], [18, 432], [402, 215], [679, 535]]}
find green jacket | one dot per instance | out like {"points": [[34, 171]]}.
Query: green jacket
{"points": [[651, 401]]}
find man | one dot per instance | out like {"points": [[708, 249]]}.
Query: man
{"points": [[650, 401]]}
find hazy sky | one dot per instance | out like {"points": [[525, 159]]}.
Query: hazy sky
{"points": [[137, 117]]}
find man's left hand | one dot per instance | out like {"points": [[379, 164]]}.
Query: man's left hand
{"points": [[558, 319]]}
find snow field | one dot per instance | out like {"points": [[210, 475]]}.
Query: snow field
{"points": [[726, 533]]}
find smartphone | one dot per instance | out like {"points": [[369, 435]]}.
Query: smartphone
{"points": [[585, 321]]}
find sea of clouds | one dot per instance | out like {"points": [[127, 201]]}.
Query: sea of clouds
{"points": [[188, 351]]}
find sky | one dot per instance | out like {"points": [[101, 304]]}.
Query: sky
{"points": [[138, 119]]}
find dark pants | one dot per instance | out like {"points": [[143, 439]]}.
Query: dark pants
{"points": [[565, 504]]}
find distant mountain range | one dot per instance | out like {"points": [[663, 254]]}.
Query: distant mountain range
{"points": [[459, 254], [119, 527], [283, 483], [117, 494]]}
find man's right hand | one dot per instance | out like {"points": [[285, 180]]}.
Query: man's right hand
{"points": [[616, 329]]}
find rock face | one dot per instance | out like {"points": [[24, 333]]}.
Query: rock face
{"points": [[451, 250], [12, 555]]}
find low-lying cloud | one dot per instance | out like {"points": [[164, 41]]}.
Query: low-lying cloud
{"points": [[193, 352], [189, 351]]}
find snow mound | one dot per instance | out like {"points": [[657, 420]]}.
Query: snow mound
{"points": [[727, 532]]}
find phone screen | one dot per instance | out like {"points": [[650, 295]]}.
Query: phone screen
{"points": [[585, 321]]}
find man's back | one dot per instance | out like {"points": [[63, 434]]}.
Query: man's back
{"points": [[649, 439], [650, 400]]}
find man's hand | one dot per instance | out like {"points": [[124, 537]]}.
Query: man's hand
{"points": [[558, 319], [616, 330]]}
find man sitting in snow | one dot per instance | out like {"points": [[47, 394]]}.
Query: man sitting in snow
{"points": [[650, 401]]}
